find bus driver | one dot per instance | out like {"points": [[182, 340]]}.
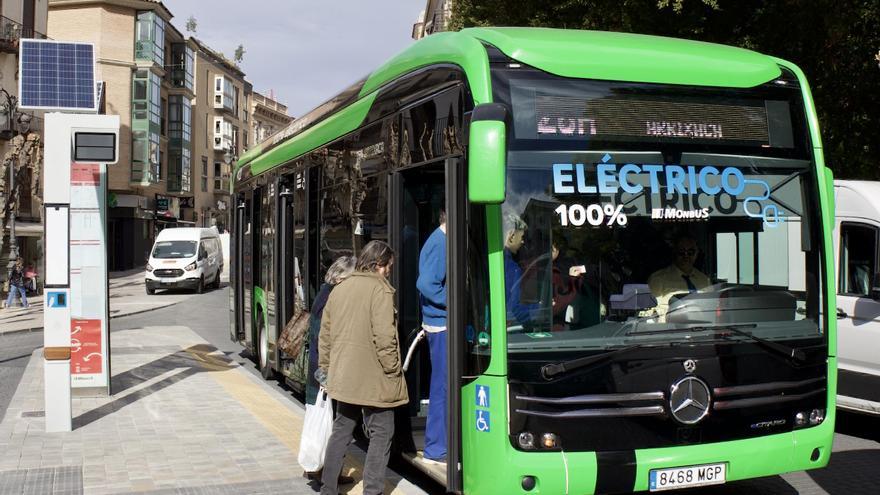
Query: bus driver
{"points": [[679, 277]]}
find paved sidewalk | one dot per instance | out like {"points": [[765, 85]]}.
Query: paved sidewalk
{"points": [[183, 418], [127, 296]]}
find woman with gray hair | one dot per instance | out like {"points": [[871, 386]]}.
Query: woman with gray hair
{"points": [[340, 270]]}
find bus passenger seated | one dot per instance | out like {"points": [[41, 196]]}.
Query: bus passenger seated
{"points": [[679, 277], [523, 314]]}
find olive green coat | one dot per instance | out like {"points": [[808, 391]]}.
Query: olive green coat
{"points": [[358, 344]]}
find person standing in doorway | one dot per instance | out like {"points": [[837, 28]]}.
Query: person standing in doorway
{"points": [[432, 288], [358, 349], [17, 284]]}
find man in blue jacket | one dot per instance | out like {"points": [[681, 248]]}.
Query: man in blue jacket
{"points": [[432, 287]]}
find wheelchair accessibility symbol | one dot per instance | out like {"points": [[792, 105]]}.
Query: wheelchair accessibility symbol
{"points": [[483, 421]]}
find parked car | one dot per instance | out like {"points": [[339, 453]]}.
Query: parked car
{"points": [[185, 257], [856, 234]]}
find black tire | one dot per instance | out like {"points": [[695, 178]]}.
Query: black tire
{"points": [[217, 280], [150, 291], [263, 360], [200, 289]]}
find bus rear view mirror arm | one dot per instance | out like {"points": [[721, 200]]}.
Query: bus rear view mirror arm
{"points": [[487, 153]]}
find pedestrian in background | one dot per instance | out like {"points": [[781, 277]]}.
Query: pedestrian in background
{"points": [[432, 289], [17, 283], [359, 350]]}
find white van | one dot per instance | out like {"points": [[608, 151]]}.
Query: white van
{"points": [[185, 258], [856, 237]]}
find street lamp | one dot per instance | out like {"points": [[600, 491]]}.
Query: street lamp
{"points": [[10, 105]]}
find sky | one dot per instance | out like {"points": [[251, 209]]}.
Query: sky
{"points": [[305, 51]]}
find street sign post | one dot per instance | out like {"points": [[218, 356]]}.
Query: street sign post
{"points": [[78, 148]]}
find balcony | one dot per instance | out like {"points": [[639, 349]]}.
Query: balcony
{"points": [[11, 32]]}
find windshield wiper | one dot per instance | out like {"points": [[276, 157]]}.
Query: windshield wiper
{"points": [[782, 349], [548, 371]]}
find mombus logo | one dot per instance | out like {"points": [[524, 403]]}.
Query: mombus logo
{"points": [[611, 178]]}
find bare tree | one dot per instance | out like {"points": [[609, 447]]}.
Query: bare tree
{"points": [[25, 154], [191, 24]]}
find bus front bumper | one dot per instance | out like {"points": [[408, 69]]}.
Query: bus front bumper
{"points": [[589, 472]]}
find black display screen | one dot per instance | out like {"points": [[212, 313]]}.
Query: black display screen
{"points": [[585, 110]]}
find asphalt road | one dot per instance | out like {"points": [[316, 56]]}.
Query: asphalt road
{"points": [[15, 351], [853, 469]]}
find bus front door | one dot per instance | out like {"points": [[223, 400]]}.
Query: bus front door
{"points": [[239, 225], [418, 196]]}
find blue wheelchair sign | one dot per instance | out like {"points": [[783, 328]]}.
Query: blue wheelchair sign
{"points": [[482, 421]]}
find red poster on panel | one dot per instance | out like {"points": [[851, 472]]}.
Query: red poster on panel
{"points": [[85, 174], [85, 347]]}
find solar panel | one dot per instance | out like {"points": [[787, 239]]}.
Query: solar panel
{"points": [[56, 75]]}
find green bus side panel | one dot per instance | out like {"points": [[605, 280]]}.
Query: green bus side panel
{"points": [[324, 132], [446, 47], [492, 466], [631, 57]]}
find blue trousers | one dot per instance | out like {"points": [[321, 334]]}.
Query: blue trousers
{"points": [[435, 430], [12, 290]]}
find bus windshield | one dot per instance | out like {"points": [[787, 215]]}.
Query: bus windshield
{"points": [[642, 215]]}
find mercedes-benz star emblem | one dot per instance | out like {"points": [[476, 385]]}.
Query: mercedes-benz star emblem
{"points": [[689, 400], [690, 365]]}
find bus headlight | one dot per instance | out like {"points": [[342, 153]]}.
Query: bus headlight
{"points": [[190, 267], [149, 267], [526, 440], [800, 419], [549, 441], [817, 416]]}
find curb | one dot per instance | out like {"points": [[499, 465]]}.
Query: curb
{"points": [[40, 329]]}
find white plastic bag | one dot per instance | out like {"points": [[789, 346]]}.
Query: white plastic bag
{"points": [[317, 426]]}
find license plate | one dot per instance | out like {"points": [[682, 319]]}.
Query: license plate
{"points": [[668, 479]]}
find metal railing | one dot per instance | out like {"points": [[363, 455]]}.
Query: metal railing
{"points": [[11, 32]]}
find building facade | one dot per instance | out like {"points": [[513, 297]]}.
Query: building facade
{"points": [[434, 19], [19, 130], [268, 117], [221, 132], [185, 118]]}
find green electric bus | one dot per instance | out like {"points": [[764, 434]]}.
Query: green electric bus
{"points": [[639, 254]]}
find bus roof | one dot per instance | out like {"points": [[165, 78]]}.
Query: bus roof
{"points": [[567, 53]]}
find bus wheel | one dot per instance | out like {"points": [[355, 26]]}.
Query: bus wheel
{"points": [[263, 357], [200, 289]]}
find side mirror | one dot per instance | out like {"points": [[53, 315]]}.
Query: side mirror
{"points": [[487, 154]]}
